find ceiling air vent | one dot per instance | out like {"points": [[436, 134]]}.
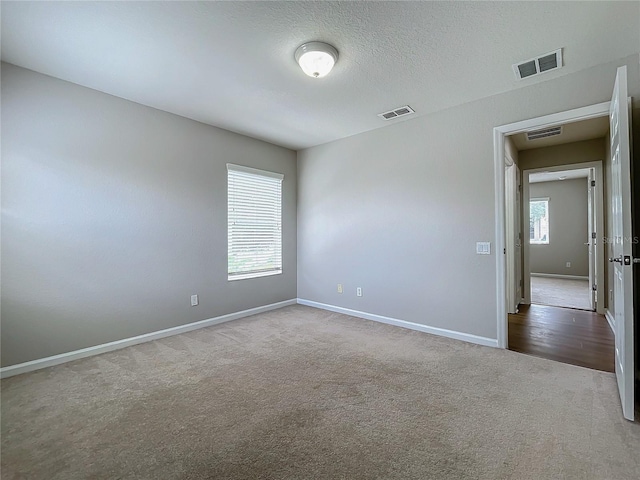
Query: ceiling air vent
{"points": [[536, 66], [545, 132], [398, 112]]}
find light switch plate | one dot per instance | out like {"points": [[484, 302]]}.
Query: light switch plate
{"points": [[483, 248]]}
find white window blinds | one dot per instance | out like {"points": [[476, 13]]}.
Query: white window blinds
{"points": [[254, 222]]}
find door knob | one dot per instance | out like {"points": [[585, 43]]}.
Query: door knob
{"points": [[617, 260]]}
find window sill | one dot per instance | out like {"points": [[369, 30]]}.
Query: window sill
{"points": [[232, 278]]}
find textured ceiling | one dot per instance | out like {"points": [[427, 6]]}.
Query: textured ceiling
{"points": [[571, 132], [230, 64]]}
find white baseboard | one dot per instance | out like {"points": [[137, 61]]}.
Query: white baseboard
{"points": [[553, 275], [466, 337], [32, 365], [611, 321]]}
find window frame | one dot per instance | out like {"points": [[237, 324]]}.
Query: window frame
{"points": [[548, 215], [263, 179]]}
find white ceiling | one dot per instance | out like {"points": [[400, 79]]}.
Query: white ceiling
{"points": [[559, 175], [230, 64], [571, 132]]}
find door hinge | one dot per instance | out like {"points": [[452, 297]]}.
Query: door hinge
{"points": [[593, 183], [594, 287], [593, 235]]}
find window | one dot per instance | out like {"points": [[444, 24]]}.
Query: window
{"points": [[254, 222], [539, 221]]}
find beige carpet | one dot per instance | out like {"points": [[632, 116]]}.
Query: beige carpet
{"points": [[561, 292], [300, 393]]}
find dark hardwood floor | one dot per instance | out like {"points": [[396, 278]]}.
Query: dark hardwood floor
{"points": [[565, 335]]}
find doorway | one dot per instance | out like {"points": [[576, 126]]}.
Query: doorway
{"points": [[562, 210], [619, 200], [563, 263], [554, 194], [554, 214]]}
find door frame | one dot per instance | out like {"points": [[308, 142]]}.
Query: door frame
{"points": [[513, 223], [593, 226], [499, 134], [599, 251]]}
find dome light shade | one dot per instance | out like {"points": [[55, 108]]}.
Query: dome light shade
{"points": [[316, 58]]}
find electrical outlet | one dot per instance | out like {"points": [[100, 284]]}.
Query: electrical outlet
{"points": [[359, 291], [194, 300], [339, 288], [568, 264]]}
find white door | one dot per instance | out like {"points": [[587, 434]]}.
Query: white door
{"points": [[518, 239], [622, 259], [509, 189], [591, 237]]}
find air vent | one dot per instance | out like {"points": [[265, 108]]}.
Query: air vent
{"points": [[536, 66], [545, 132], [398, 112], [548, 63]]}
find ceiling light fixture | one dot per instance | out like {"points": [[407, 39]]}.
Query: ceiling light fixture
{"points": [[316, 59]]}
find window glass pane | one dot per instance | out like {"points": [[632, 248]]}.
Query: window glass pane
{"points": [[539, 221]]}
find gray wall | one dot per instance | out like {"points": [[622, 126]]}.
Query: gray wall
{"points": [[568, 229], [566, 154], [113, 214], [397, 211]]}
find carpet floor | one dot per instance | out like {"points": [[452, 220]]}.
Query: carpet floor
{"points": [[561, 292], [301, 393]]}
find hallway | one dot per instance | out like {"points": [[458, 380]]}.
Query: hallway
{"points": [[565, 335]]}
